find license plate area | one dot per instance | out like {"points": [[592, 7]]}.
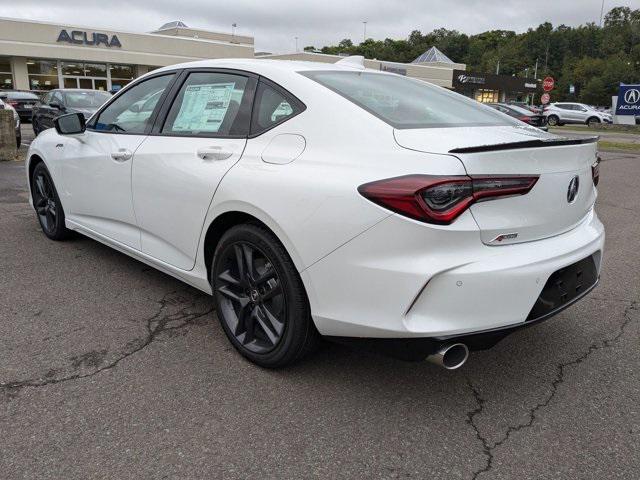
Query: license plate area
{"points": [[564, 287]]}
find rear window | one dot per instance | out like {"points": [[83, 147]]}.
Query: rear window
{"points": [[21, 95], [407, 103]]}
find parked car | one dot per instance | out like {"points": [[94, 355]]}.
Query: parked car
{"points": [[564, 112], [526, 106], [330, 200], [22, 102], [66, 100], [16, 120], [522, 114]]}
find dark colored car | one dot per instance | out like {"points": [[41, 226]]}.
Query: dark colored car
{"points": [[66, 100], [525, 105], [22, 102], [522, 114]]}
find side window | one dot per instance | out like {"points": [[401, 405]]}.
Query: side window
{"points": [[210, 104], [47, 98], [58, 98], [132, 111], [272, 107]]}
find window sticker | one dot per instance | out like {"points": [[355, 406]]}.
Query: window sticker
{"points": [[203, 107]]}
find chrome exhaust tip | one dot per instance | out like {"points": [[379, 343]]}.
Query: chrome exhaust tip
{"points": [[450, 356]]}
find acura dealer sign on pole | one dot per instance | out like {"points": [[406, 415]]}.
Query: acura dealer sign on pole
{"points": [[628, 104]]}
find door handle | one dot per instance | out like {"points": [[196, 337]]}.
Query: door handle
{"points": [[213, 153], [122, 155]]}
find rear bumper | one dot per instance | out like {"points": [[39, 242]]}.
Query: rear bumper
{"points": [[402, 279]]}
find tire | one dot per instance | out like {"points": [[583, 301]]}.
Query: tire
{"points": [[260, 299], [18, 141], [593, 120], [553, 120], [47, 204], [34, 125]]}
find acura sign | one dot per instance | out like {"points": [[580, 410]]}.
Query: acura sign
{"points": [[628, 100], [83, 38]]}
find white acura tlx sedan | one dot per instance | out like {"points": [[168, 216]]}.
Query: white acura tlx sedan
{"points": [[315, 200]]}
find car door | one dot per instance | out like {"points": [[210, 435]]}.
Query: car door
{"points": [[49, 110], [97, 163], [198, 137]]}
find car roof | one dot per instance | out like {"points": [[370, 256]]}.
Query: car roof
{"points": [[266, 66]]}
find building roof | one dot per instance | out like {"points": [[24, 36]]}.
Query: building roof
{"points": [[174, 24], [433, 55]]}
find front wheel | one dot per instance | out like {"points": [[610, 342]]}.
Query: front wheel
{"points": [[593, 121], [47, 204], [553, 120], [260, 299]]}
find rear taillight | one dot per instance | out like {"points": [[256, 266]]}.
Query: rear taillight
{"points": [[13, 103], [595, 171], [525, 119], [440, 200]]}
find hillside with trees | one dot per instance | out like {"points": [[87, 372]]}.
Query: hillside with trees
{"points": [[594, 59]]}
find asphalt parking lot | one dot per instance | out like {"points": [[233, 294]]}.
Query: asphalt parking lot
{"points": [[110, 369]]}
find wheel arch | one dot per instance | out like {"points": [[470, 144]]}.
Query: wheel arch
{"points": [[225, 220]]}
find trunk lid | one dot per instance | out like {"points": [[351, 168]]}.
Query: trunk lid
{"points": [[549, 208]]}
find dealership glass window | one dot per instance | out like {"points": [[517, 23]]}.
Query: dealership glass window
{"points": [[123, 72], [487, 96], [43, 74], [80, 69], [6, 77]]}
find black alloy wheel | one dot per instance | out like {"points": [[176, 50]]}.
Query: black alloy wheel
{"points": [[260, 298], [47, 204], [253, 304], [552, 120]]}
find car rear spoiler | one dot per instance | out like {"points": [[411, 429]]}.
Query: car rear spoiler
{"points": [[526, 144]]}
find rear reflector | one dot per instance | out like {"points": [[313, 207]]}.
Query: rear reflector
{"points": [[440, 200], [595, 171]]}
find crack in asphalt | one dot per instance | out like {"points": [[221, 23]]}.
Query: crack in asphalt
{"points": [[158, 323], [489, 448]]}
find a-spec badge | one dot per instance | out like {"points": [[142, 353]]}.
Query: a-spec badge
{"points": [[504, 237]]}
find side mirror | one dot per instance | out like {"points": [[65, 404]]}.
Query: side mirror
{"points": [[56, 105], [70, 124]]}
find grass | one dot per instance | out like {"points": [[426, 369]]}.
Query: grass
{"points": [[627, 147]]}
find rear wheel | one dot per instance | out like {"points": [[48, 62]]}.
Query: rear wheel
{"points": [[260, 298], [47, 204], [553, 120]]}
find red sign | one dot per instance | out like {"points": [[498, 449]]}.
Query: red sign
{"points": [[545, 98], [548, 83]]}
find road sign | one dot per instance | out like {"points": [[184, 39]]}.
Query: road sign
{"points": [[545, 98], [628, 100], [548, 83]]}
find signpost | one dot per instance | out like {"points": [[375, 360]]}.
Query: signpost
{"points": [[545, 98], [628, 104], [548, 83]]}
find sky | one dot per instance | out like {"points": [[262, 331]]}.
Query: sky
{"points": [[275, 23]]}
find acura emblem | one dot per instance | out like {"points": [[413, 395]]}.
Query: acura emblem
{"points": [[632, 96], [572, 191]]}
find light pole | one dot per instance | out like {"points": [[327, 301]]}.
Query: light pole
{"points": [[296, 44], [364, 34], [601, 13], [233, 30]]}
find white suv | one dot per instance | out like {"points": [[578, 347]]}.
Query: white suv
{"points": [[561, 113]]}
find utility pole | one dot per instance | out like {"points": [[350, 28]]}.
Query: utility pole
{"points": [[535, 70], [233, 30], [296, 44], [364, 34], [498, 68], [601, 13]]}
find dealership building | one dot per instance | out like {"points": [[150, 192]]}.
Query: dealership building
{"points": [[43, 56]]}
